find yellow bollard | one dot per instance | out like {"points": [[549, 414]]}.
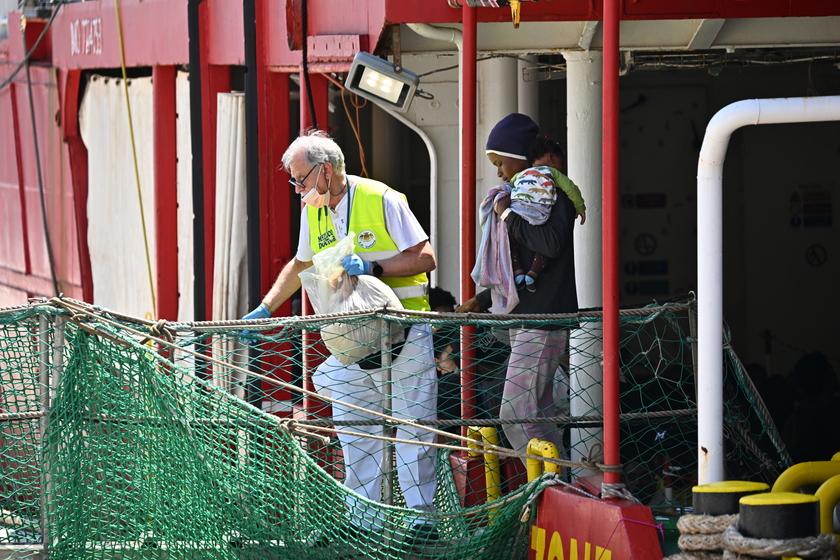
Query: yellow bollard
{"points": [[492, 464], [829, 495], [783, 515], [824, 473], [802, 474], [544, 449]]}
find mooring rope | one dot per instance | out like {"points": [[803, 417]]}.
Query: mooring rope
{"points": [[739, 547], [701, 536]]}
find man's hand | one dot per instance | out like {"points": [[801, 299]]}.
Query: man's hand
{"points": [[469, 306], [502, 204], [354, 265], [260, 312]]}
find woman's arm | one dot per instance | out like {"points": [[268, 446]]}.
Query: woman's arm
{"points": [[552, 237]]}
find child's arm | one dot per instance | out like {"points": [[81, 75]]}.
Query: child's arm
{"points": [[572, 191]]}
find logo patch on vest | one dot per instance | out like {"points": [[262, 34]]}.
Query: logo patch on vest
{"points": [[326, 239], [366, 239]]}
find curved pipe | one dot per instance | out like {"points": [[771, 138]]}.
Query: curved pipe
{"points": [[803, 474], [710, 250], [433, 179], [829, 495], [447, 34]]}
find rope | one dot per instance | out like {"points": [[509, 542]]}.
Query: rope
{"points": [[159, 330], [134, 155], [160, 333], [406, 316], [12, 416], [739, 547], [695, 555], [705, 524], [548, 479], [744, 437], [41, 197], [565, 420], [701, 536], [487, 448], [744, 377], [617, 490]]}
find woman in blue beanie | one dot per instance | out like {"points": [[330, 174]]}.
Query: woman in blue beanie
{"points": [[535, 352]]}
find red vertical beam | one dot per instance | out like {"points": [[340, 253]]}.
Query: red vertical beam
{"points": [[214, 80], [319, 85], [166, 191], [275, 200], [24, 219], [280, 244], [70, 101], [610, 236], [469, 53]]}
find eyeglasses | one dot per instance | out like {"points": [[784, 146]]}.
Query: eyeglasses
{"points": [[295, 183]]}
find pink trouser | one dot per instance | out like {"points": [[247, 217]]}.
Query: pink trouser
{"points": [[528, 393]]}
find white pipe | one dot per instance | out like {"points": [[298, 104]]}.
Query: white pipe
{"points": [[584, 88], [446, 34], [449, 35], [710, 256], [433, 180]]}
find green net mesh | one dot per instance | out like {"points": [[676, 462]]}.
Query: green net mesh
{"points": [[125, 438]]}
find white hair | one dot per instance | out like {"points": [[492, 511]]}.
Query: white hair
{"points": [[315, 146]]}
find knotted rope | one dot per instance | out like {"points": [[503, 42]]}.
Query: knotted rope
{"points": [[701, 536], [739, 547], [159, 330]]}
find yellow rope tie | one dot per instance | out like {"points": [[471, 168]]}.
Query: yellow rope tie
{"points": [[134, 155]]}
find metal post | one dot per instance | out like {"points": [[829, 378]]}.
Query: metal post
{"points": [[612, 16], [387, 406], [46, 389]]}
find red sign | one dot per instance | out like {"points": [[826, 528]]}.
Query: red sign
{"points": [[573, 526]]}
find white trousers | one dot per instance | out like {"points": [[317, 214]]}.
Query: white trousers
{"points": [[413, 397], [528, 392]]}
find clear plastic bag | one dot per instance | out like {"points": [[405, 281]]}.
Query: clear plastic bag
{"points": [[332, 290]]}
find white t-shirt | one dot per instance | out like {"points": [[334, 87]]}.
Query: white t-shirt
{"points": [[402, 225]]}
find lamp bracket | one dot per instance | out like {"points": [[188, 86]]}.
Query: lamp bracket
{"points": [[396, 47]]}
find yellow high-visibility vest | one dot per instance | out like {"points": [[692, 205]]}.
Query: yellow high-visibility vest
{"points": [[372, 240]]}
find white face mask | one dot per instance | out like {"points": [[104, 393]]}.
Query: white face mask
{"points": [[314, 198]]}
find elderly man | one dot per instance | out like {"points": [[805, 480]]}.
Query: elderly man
{"points": [[390, 245]]}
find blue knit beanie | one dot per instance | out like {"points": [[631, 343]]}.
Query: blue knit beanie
{"points": [[512, 135]]}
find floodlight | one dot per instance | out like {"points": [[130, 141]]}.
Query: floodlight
{"points": [[379, 80]]}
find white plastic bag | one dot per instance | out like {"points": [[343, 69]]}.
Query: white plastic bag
{"points": [[332, 290]]}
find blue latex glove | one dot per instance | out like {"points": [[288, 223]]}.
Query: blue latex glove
{"points": [[354, 265], [260, 312]]}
